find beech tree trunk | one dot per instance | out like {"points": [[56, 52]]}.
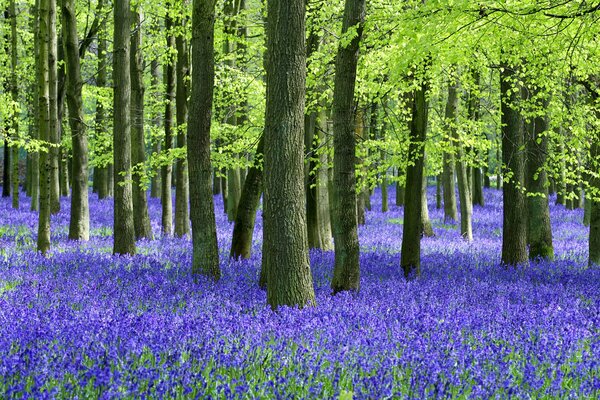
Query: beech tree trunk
{"points": [[182, 215], [167, 170], [141, 218], [449, 173], [54, 133], [14, 91], [324, 213], [243, 228], [514, 235], [123, 231], [427, 227], [202, 212], [346, 273], [79, 225], [101, 173], [6, 170], [285, 242], [36, 127], [410, 257], [155, 184]]}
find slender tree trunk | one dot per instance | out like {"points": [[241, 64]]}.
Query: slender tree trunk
{"points": [[79, 225], [182, 215], [141, 218], [243, 228], [514, 237], [54, 132], [477, 174], [539, 237], [167, 170], [202, 212], [6, 170], [101, 173], [43, 239], [346, 273], [449, 174], [427, 227], [14, 91], [285, 241], [155, 184], [438, 191], [124, 231], [36, 128], [587, 208], [324, 213], [410, 259], [400, 191], [466, 207], [594, 237]]}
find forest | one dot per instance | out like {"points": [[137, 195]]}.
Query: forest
{"points": [[300, 199]]}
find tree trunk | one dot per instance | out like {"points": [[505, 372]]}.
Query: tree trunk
{"points": [[514, 235], [141, 218], [477, 175], [202, 212], [312, 206], [182, 215], [167, 169], [243, 228], [324, 213], [587, 208], [43, 239], [285, 242], [79, 225], [14, 91], [124, 233], [438, 191], [448, 174], [6, 170], [400, 191], [35, 129], [155, 184], [233, 192], [54, 132], [410, 259], [346, 273], [101, 172], [594, 237], [466, 207], [425, 221]]}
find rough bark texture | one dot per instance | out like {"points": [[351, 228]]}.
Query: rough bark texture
{"points": [[346, 273], [539, 232], [410, 259], [101, 173], [514, 235], [202, 213], [79, 225], [141, 218], [43, 239], [54, 132], [243, 228], [285, 242], [167, 170], [182, 215], [123, 231]]}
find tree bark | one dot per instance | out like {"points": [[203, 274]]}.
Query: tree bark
{"points": [[141, 218], [14, 91], [202, 213], [35, 130], [6, 169], [155, 184], [324, 213], [243, 228], [182, 215], [285, 243], [449, 172], [427, 227], [410, 259], [124, 232], [346, 273], [514, 235], [79, 225], [101, 172], [167, 169], [54, 133], [43, 239]]}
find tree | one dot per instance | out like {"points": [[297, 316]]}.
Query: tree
{"points": [[202, 213], [124, 233], [54, 127], [514, 228], [79, 225], [101, 173], [170, 76], [14, 91], [141, 219], [285, 243], [346, 273]]}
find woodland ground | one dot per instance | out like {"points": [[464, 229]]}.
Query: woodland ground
{"points": [[88, 324]]}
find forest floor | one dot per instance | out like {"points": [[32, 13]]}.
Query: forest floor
{"points": [[85, 323]]}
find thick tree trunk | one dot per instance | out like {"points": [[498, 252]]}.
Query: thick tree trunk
{"points": [[346, 273], [79, 225], [400, 191], [539, 232], [243, 228], [202, 212], [182, 215], [410, 259], [54, 133], [285, 242], [167, 170], [43, 239], [514, 236], [124, 232], [141, 218]]}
